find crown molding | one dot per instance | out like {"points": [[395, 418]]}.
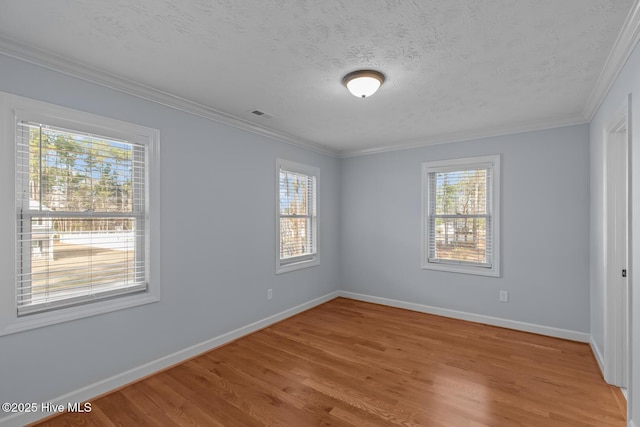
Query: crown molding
{"points": [[622, 49], [42, 58], [470, 135]]}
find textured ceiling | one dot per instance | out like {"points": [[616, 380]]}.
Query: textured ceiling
{"points": [[453, 67]]}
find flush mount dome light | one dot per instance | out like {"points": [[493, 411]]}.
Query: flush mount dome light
{"points": [[363, 83]]}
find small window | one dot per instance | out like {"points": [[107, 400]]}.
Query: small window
{"points": [[297, 216], [87, 230], [461, 215]]}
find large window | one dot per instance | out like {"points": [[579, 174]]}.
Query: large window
{"points": [[461, 215], [297, 217], [84, 217]]}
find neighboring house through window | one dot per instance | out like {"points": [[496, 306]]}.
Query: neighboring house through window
{"points": [[461, 215], [297, 216]]}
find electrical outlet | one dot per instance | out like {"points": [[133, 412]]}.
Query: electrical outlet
{"points": [[269, 293], [504, 296]]}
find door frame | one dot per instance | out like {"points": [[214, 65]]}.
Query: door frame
{"points": [[616, 289]]}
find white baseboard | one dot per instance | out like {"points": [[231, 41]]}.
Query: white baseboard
{"points": [[597, 354], [472, 317], [85, 394]]}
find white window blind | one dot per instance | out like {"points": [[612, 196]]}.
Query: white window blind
{"points": [[461, 215], [297, 214], [81, 212]]}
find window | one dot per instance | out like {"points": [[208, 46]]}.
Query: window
{"points": [[86, 215], [296, 216], [461, 215]]}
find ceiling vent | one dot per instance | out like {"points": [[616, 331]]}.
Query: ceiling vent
{"points": [[261, 114]]}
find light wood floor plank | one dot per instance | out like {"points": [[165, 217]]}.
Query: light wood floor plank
{"points": [[350, 363]]}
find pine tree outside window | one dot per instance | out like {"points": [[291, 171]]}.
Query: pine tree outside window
{"points": [[86, 210]]}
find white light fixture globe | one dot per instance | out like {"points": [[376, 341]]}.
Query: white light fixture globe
{"points": [[363, 83]]}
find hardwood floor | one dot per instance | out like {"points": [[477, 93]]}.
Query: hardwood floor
{"points": [[349, 363]]}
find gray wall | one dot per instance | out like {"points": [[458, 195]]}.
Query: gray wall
{"points": [[545, 229], [217, 245], [628, 82]]}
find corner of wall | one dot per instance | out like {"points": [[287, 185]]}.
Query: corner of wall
{"points": [[597, 354]]}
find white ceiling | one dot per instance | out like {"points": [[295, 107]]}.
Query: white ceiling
{"points": [[454, 68]]}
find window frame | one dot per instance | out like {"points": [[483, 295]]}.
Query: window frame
{"points": [[493, 214], [14, 109], [305, 261]]}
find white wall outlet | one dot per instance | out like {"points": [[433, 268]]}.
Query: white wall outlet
{"points": [[504, 296], [269, 293]]}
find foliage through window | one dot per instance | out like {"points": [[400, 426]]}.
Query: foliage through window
{"points": [[461, 211], [297, 216], [81, 217]]}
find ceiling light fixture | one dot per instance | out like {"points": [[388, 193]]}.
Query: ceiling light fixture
{"points": [[363, 83]]}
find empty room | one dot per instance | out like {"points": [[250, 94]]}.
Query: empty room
{"points": [[299, 213]]}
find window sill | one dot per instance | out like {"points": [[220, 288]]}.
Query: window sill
{"points": [[285, 268], [24, 323], [464, 269]]}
